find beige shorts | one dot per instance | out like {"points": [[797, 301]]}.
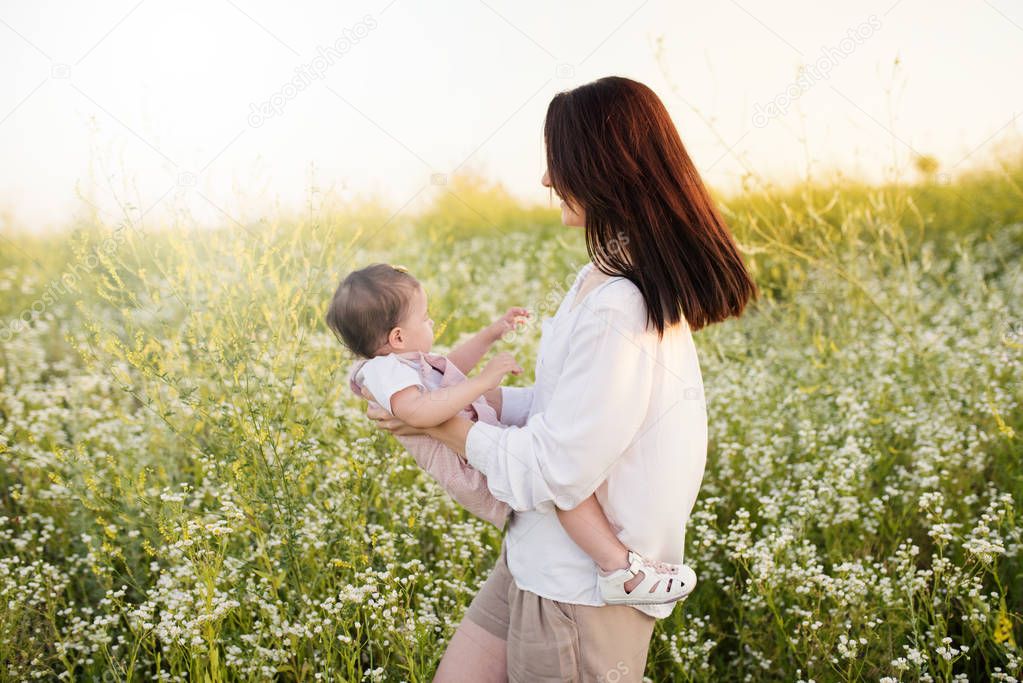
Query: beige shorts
{"points": [[557, 641]]}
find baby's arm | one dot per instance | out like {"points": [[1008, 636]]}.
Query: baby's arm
{"points": [[421, 409], [467, 355]]}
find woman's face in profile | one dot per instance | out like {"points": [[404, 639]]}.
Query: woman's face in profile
{"points": [[569, 215]]}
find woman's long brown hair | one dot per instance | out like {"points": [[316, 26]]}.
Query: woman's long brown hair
{"points": [[613, 150]]}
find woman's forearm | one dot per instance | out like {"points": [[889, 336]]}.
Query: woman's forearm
{"points": [[495, 400], [452, 434]]}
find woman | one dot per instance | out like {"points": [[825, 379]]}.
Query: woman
{"points": [[617, 407]]}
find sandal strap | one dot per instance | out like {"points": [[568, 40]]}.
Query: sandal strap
{"points": [[638, 563]]}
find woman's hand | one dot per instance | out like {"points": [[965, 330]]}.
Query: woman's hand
{"points": [[384, 420], [494, 398]]}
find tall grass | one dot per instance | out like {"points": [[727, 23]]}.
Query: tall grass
{"points": [[189, 491]]}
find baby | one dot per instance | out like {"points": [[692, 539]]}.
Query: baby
{"points": [[380, 314]]}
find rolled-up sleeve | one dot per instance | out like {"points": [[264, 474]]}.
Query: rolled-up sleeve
{"points": [[562, 454], [515, 404]]}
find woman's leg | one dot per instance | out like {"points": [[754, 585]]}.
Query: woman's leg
{"points": [[478, 650], [550, 640], [474, 654]]}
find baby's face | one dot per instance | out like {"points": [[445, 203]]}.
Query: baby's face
{"points": [[417, 327]]}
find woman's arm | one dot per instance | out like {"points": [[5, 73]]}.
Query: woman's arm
{"points": [[511, 404], [453, 433], [516, 402], [493, 397], [596, 412]]}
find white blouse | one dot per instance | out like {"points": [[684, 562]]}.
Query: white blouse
{"points": [[614, 410]]}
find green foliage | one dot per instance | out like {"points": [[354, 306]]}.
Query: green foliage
{"points": [[188, 488]]}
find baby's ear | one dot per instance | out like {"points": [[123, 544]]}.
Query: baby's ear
{"points": [[395, 338]]}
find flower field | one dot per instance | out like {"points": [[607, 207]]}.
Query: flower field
{"points": [[188, 491]]}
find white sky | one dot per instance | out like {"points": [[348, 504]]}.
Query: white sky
{"points": [[110, 95]]}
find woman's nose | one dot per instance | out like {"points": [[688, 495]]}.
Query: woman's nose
{"points": [[546, 179]]}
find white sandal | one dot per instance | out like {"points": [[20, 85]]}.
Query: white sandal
{"points": [[662, 582]]}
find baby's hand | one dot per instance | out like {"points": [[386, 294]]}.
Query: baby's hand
{"points": [[515, 317], [499, 366]]}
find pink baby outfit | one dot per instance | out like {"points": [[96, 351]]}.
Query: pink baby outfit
{"points": [[465, 484]]}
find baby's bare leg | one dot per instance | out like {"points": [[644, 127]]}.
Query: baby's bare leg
{"points": [[587, 525]]}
